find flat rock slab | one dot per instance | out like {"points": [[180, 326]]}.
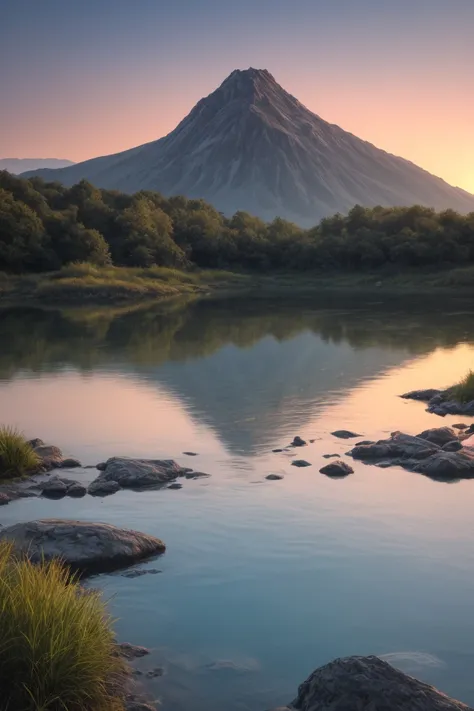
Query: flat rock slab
{"points": [[345, 434], [368, 684], [421, 395], [85, 547], [137, 473], [337, 469]]}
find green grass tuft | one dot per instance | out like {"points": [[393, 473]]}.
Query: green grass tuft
{"points": [[464, 390], [17, 456], [57, 649]]}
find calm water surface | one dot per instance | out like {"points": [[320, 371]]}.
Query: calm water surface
{"points": [[262, 580]]}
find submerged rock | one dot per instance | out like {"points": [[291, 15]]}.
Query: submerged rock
{"points": [[300, 463], [191, 454], [190, 474], [274, 477], [175, 486], [131, 651], [85, 547], [337, 469], [368, 684], [421, 395], [330, 456], [345, 434]]}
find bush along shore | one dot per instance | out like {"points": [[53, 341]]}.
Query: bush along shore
{"points": [[150, 246]]}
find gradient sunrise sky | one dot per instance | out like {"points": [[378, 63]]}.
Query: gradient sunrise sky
{"points": [[82, 78]]}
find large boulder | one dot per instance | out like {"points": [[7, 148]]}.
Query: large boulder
{"points": [[139, 473], [439, 435], [338, 469], [368, 684], [57, 487], [398, 446], [447, 466], [85, 547], [51, 457]]}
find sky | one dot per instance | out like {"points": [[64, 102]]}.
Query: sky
{"points": [[82, 78]]}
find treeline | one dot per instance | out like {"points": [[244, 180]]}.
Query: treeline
{"points": [[44, 226]]}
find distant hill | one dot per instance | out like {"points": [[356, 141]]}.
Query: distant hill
{"points": [[21, 165], [252, 146]]}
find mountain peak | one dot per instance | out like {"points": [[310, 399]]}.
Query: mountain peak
{"points": [[248, 82]]}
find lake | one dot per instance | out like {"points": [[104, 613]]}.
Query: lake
{"points": [[262, 581]]}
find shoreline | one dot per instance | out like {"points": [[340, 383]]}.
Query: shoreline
{"points": [[83, 285]]}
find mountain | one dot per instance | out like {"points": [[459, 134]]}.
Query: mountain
{"points": [[252, 146], [20, 165]]}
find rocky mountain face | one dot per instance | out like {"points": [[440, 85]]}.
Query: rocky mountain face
{"points": [[252, 146], [21, 165]]}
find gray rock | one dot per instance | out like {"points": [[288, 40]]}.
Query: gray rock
{"points": [[438, 435], [70, 463], [452, 446], [4, 499], [101, 466], [274, 477], [368, 684], [330, 456], [191, 454], [448, 465], [102, 487], [364, 441], [196, 475], [140, 573], [77, 490], [57, 487], [460, 426], [277, 450], [345, 434], [154, 673], [85, 547], [298, 442], [300, 463], [337, 469], [51, 456], [175, 486], [399, 445], [131, 651], [140, 473], [422, 395]]}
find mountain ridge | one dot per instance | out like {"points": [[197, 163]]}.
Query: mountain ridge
{"points": [[20, 165], [252, 146]]}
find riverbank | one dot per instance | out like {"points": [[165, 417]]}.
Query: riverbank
{"points": [[85, 284]]}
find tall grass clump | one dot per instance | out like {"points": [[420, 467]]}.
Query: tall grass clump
{"points": [[17, 456], [57, 650], [464, 390]]}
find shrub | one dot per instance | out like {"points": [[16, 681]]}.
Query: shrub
{"points": [[57, 650], [17, 456], [464, 390]]}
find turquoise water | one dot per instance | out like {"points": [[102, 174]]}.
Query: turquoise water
{"points": [[262, 580]]}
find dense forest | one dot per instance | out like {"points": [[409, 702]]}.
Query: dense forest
{"points": [[44, 226]]}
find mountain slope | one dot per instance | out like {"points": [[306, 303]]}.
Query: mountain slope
{"points": [[20, 165], [252, 146]]}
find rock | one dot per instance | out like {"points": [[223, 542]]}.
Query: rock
{"points": [[300, 463], [460, 426], [85, 547], [470, 430], [438, 435], [140, 573], [364, 442], [345, 434], [70, 463], [4, 499], [452, 446], [368, 684], [51, 456], [101, 466], [154, 673], [196, 475], [422, 395], [448, 465], [101, 487], [274, 477], [399, 446], [329, 456], [131, 651], [57, 487], [277, 450], [191, 454], [35, 443], [298, 442], [174, 486], [337, 469], [140, 473]]}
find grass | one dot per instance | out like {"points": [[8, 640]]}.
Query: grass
{"points": [[464, 390], [17, 456], [57, 650]]}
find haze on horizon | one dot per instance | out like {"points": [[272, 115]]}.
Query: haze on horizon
{"points": [[97, 77]]}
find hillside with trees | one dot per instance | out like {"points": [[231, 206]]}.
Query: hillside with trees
{"points": [[44, 226]]}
